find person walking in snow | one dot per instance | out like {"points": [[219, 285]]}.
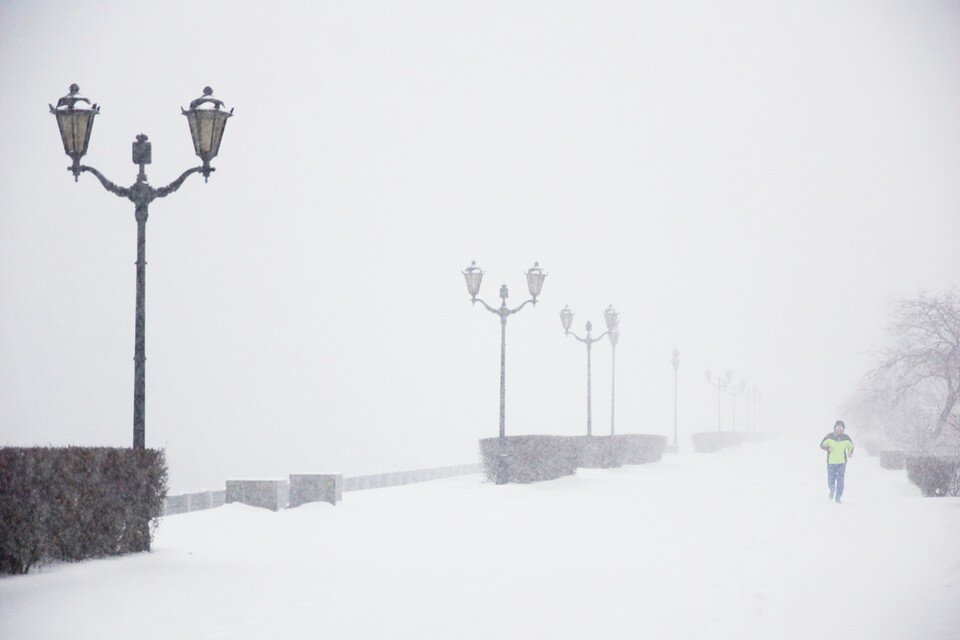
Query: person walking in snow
{"points": [[839, 448]]}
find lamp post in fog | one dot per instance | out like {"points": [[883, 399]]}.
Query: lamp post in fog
{"points": [[206, 128], [720, 384], [474, 276], [734, 392], [611, 316], [676, 397]]}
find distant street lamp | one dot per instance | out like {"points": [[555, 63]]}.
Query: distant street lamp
{"points": [[612, 319], [676, 397], [734, 392], [720, 384], [474, 276], [206, 129]]}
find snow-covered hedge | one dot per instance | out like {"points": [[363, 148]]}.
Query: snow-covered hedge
{"points": [[77, 502], [528, 458], [536, 458], [936, 475], [598, 452], [890, 459], [640, 448]]}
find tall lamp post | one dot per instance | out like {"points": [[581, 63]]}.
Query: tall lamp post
{"points": [[720, 384], [676, 396], [474, 276], [206, 129], [611, 316]]}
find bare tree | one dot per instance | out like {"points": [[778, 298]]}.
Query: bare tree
{"points": [[925, 356]]}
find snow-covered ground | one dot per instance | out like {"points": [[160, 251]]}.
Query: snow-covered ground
{"points": [[739, 544]]}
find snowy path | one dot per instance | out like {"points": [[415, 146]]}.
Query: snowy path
{"points": [[738, 544]]}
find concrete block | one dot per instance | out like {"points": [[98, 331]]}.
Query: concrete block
{"points": [[175, 504], [269, 494], [315, 487], [198, 501]]}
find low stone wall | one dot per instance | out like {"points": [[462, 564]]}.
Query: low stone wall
{"points": [[197, 501], [315, 487], [186, 502], [398, 478], [270, 494]]}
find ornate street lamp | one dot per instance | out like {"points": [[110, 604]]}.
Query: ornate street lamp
{"points": [[206, 127], [473, 275], [720, 384], [611, 316], [676, 397], [75, 125]]}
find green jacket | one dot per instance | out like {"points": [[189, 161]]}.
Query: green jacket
{"points": [[838, 447]]}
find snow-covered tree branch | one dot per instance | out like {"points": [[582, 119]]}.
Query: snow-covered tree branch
{"points": [[924, 360]]}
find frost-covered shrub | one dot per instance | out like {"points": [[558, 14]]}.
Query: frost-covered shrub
{"points": [[528, 458], [710, 441], [77, 502], [935, 475], [640, 448], [598, 452], [890, 459]]}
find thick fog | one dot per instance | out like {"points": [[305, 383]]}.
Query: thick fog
{"points": [[752, 184]]}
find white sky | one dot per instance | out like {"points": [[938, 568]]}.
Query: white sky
{"points": [[753, 184]]}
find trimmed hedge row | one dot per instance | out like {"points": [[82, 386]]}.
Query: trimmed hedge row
{"points": [[77, 502], [536, 458], [641, 448], [936, 475], [597, 452], [527, 458], [890, 459]]}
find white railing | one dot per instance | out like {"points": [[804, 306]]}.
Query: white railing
{"points": [[201, 500]]}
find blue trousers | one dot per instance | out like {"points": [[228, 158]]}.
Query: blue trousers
{"points": [[835, 473]]}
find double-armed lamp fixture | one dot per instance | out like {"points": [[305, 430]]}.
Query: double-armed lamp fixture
{"points": [[207, 120]]}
